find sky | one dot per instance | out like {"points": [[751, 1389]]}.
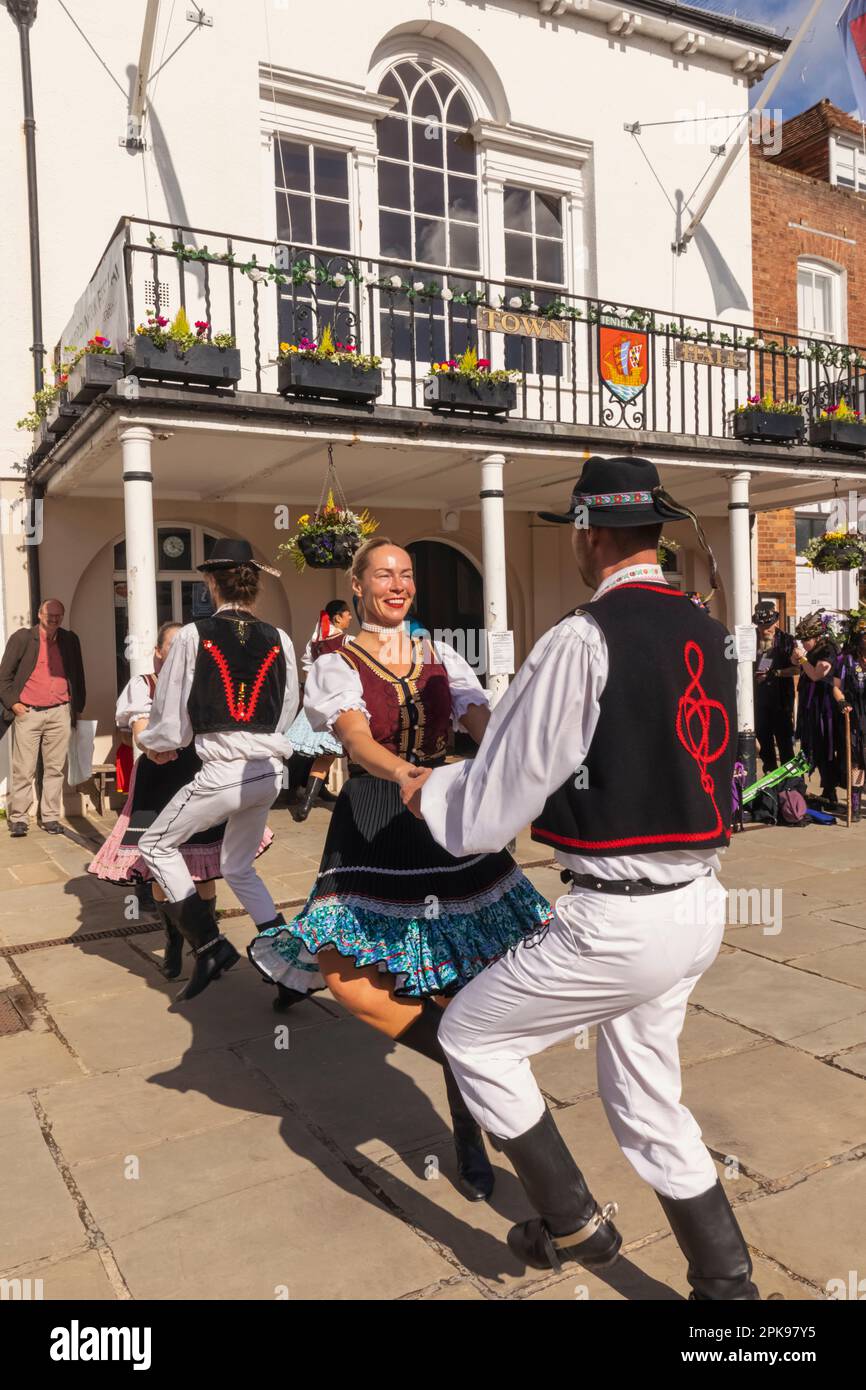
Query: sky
{"points": [[818, 67]]}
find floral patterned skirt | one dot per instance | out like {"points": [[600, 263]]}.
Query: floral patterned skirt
{"points": [[388, 895]]}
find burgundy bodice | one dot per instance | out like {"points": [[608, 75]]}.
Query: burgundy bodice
{"points": [[409, 715], [322, 645]]}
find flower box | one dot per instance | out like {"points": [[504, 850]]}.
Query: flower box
{"points": [[769, 426], [443, 392], [328, 550], [92, 374], [203, 364], [43, 441], [838, 434], [341, 381], [63, 417]]}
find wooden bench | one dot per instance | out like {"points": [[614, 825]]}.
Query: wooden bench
{"points": [[97, 787]]}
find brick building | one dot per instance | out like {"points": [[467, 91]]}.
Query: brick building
{"points": [[809, 273]]}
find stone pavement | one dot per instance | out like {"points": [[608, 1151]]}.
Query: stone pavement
{"points": [[151, 1151]]}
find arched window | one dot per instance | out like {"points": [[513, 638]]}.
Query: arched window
{"points": [[428, 170], [181, 593]]}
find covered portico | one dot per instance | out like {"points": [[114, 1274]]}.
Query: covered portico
{"points": [[475, 486]]}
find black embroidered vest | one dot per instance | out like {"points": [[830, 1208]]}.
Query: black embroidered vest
{"points": [[239, 680], [658, 772]]}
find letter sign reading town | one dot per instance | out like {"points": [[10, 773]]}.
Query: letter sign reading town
{"points": [[527, 325]]}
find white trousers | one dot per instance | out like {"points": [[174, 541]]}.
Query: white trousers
{"points": [[239, 793], [627, 965]]}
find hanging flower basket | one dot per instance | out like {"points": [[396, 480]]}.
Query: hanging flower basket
{"points": [[329, 538], [763, 420], [836, 550], [174, 352], [328, 370], [468, 384], [839, 427]]}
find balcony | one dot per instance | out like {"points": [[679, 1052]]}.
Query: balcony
{"points": [[587, 365]]}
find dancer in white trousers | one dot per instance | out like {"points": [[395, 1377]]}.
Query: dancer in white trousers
{"points": [[617, 740], [230, 683]]}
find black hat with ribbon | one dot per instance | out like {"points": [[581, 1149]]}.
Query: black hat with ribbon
{"points": [[230, 554], [626, 492]]}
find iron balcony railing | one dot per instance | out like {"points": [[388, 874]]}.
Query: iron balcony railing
{"points": [[697, 370]]}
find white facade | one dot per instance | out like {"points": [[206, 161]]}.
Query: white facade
{"points": [[550, 93]]}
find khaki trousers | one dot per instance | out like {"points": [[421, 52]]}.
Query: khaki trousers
{"points": [[48, 730]]}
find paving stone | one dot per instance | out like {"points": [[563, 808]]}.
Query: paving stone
{"points": [[371, 1095], [27, 875], [79, 1278], [38, 1219], [92, 970], [799, 936], [846, 963], [772, 998], [855, 1060], [813, 1228], [824, 1042], [460, 1292], [854, 915], [29, 1060], [777, 1110], [315, 1237], [173, 1175], [115, 1113]]}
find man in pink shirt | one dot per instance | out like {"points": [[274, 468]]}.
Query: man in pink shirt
{"points": [[42, 692]]}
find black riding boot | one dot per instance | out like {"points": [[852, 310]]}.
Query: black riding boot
{"points": [[475, 1174], [311, 792], [172, 962], [706, 1231], [571, 1225], [196, 922]]}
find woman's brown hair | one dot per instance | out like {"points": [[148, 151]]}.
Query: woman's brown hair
{"points": [[164, 629], [239, 585]]}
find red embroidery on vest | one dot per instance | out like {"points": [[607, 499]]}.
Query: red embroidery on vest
{"points": [[694, 718], [241, 710]]}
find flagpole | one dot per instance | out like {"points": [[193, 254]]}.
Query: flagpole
{"points": [[728, 162]]}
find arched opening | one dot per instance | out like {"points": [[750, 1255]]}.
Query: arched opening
{"points": [[450, 597]]}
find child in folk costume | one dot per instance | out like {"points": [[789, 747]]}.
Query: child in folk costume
{"points": [[330, 634], [230, 686], [645, 915], [393, 921], [815, 656], [849, 692], [151, 787]]}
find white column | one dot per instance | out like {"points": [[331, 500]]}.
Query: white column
{"points": [[741, 604], [135, 443], [493, 557]]}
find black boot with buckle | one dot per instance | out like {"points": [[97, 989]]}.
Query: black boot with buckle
{"points": [[475, 1175], [570, 1224], [172, 961], [706, 1230], [195, 919]]}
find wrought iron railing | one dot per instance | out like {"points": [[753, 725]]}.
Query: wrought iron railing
{"points": [[697, 370]]}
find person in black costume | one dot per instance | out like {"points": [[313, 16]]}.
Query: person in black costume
{"points": [[816, 655], [849, 692], [774, 688]]}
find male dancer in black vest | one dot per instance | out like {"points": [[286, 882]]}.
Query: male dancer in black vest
{"points": [[230, 683], [636, 679]]}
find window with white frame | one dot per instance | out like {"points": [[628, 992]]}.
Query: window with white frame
{"points": [[313, 210], [429, 207], [181, 593], [534, 268], [819, 301], [848, 165]]}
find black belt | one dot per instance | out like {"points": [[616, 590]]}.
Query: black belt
{"points": [[40, 708], [621, 887]]}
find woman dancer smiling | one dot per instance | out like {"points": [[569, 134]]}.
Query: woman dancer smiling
{"points": [[394, 922]]}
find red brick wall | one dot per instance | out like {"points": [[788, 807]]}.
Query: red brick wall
{"points": [[780, 196], [777, 566]]}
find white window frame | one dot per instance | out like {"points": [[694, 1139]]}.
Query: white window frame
{"points": [[838, 143], [836, 275]]}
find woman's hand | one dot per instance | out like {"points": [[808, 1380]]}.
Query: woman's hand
{"points": [[411, 788]]}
